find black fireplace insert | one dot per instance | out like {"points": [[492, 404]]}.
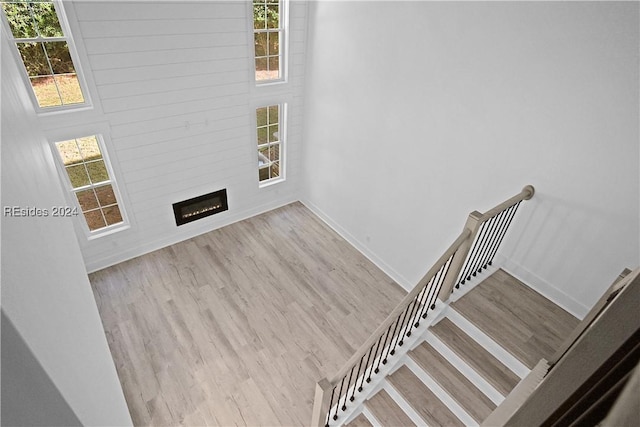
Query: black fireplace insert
{"points": [[200, 207]]}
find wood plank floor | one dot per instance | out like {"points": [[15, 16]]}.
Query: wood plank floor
{"points": [[522, 321], [234, 327]]}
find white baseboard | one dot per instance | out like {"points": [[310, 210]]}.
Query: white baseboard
{"points": [[363, 249], [147, 247], [543, 287]]}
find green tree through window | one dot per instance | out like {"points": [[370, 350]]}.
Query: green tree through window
{"points": [[268, 37], [44, 50]]}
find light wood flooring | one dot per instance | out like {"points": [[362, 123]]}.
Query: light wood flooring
{"points": [[518, 318], [234, 327]]}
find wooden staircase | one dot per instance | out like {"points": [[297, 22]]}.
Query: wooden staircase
{"points": [[457, 373]]}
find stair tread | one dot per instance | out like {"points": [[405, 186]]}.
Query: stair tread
{"points": [[432, 410], [467, 395], [360, 421], [387, 411], [476, 356], [523, 322]]}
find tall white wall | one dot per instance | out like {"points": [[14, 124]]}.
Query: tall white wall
{"points": [[45, 291], [171, 85], [417, 113]]}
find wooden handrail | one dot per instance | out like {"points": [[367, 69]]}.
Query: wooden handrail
{"points": [[408, 299], [527, 192], [473, 224]]}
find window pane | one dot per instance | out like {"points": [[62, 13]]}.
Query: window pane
{"points": [[87, 200], [261, 69], [273, 133], [274, 43], [69, 88], [274, 152], [69, 152], [89, 148], [106, 196], [112, 215], [261, 64], [274, 68], [260, 40], [78, 175], [46, 91], [262, 135], [273, 16], [275, 170], [263, 156], [273, 114], [95, 220], [20, 20], [46, 19], [263, 174], [97, 171], [60, 58], [261, 115], [35, 59], [259, 16]]}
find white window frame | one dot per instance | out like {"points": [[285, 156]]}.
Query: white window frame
{"points": [[283, 30], [282, 141], [70, 192], [73, 52]]}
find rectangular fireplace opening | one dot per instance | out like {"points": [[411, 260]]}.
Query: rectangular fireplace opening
{"points": [[200, 207]]}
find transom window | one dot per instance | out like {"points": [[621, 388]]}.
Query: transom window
{"points": [[270, 124], [88, 178], [268, 36], [36, 29]]}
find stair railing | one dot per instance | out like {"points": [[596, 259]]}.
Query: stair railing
{"points": [[472, 252]]}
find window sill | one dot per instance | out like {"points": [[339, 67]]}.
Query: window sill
{"points": [[108, 231], [270, 182], [54, 111], [269, 83]]}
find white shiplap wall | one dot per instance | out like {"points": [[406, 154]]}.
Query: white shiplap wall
{"points": [[173, 82]]}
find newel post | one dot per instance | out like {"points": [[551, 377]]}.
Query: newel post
{"points": [[457, 263], [321, 403]]}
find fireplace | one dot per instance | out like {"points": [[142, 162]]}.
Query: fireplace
{"points": [[200, 207]]}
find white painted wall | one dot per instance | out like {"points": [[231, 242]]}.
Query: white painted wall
{"points": [[171, 84], [45, 291], [417, 113]]}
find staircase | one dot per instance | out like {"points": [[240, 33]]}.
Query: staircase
{"points": [[471, 254], [456, 373], [450, 354]]}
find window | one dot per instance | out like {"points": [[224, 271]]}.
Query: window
{"points": [[268, 34], [88, 177], [36, 30], [270, 141]]}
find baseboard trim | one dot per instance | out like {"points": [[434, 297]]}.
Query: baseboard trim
{"points": [[108, 261], [363, 249], [543, 287]]}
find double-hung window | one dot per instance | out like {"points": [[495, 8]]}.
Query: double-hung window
{"points": [[269, 36], [89, 178], [270, 121], [41, 39]]}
